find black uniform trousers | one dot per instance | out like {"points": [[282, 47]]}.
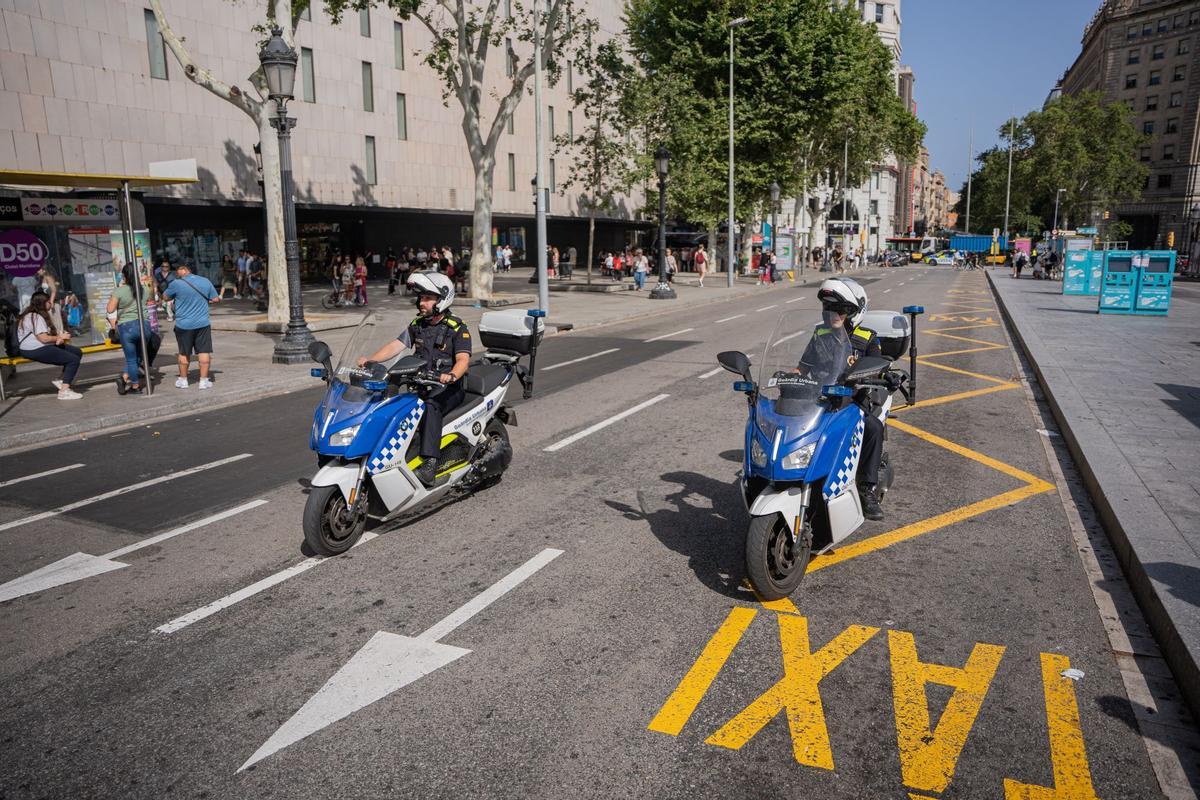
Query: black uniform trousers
{"points": [[872, 449], [436, 409]]}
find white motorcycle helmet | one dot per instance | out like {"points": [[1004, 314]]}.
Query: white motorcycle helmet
{"points": [[436, 284], [845, 296]]}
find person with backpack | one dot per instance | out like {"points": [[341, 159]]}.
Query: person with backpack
{"points": [[701, 262]]}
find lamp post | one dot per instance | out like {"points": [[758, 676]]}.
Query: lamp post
{"points": [[278, 61], [1058, 194], [774, 218], [730, 261], [664, 290]]}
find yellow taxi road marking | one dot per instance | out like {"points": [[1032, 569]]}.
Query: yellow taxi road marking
{"points": [[966, 452], [967, 339], [928, 755], [952, 398], [958, 317], [958, 371], [1068, 756], [962, 327], [679, 707], [797, 694], [960, 352]]}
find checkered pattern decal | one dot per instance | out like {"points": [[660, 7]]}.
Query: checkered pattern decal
{"points": [[392, 452], [843, 479]]}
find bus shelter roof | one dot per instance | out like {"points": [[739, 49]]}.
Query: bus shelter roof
{"points": [[83, 180]]}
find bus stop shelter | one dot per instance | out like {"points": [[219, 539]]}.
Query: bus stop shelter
{"points": [[22, 180]]}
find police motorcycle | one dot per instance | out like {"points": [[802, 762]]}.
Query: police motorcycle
{"points": [[365, 429], [804, 436]]}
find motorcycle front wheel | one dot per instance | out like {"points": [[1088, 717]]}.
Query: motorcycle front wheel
{"points": [[330, 527], [775, 566]]}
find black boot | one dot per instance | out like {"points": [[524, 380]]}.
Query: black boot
{"points": [[427, 472], [870, 503]]}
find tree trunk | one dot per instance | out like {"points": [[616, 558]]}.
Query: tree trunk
{"points": [[711, 256], [481, 231], [277, 279], [747, 244], [591, 241]]}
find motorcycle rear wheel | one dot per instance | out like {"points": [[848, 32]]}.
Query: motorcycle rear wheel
{"points": [[775, 566], [330, 528]]}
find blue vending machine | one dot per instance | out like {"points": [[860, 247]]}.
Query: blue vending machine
{"points": [[1154, 282], [1118, 284], [1077, 272]]}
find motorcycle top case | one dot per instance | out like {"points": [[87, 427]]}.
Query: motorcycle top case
{"points": [[892, 329], [510, 330]]}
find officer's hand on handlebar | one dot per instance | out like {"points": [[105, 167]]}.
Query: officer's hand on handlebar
{"points": [[446, 377]]}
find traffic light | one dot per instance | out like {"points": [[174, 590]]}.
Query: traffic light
{"points": [[1106, 213], [1171, 239]]}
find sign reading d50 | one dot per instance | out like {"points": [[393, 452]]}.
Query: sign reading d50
{"points": [[21, 253]]}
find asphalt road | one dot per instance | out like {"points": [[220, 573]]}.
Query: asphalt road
{"points": [[633, 663]]}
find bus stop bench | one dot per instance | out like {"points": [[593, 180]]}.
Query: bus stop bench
{"points": [[11, 362]]}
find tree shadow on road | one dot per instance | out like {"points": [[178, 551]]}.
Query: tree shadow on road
{"points": [[711, 534]]}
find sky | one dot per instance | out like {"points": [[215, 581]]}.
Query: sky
{"points": [[977, 62]]}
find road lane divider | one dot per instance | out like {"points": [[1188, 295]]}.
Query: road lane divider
{"points": [[389, 662], [765, 308], [794, 300], [599, 426], [578, 360], [229, 600], [79, 566], [729, 319], [669, 335], [37, 475], [170, 476]]}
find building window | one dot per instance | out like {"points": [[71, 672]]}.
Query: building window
{"points": [[874, 208], [398, 43], [1162, 25], [1180, 73], [401, 117], [1158, 52], [368, 84], [1130, 102], [553, 181], [1176, 100], [1152, 102], [156, 48], [1193, 17], [508, 124], [1178, 21], [1173, 125], [571, 125], [1148, 127], [1144, 155], [1185, 47], [364, 23], [512, 172], [1164, 181], [1131, 81], [550, 120], [371, 177], [308, 82], [570, 79], [1135, 57], [879, 7], [1131, 34], [1155, 77], [1147, 29], [509, 57], [508, 9], [1168, 152]]}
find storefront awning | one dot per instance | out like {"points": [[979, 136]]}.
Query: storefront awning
{"points": [[82, 180]]}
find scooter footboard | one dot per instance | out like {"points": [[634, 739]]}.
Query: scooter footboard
{"points": [[344, 476], [790, 503]]}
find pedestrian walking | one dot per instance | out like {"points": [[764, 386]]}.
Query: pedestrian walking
{"points": [[347, 276], [39, 340], [553, 259], [839, 259], [641, 265], [191, 296], [360, 281], [701, 262], [243, 272], [122, 309], [390, 265], [162, 279], [672, 265], [572, 258]]}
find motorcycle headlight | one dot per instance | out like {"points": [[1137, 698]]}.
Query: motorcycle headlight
{"points": [[799, 458], [758, 456], [344, 437]]}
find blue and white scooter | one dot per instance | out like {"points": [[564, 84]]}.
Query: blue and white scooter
{"points": [[364, 430], [804, 436]]}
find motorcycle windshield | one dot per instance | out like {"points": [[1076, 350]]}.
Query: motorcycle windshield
{"points": [[375, 330], [805, 353]]}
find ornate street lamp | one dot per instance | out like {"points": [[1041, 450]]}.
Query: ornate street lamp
{"points": [[664, 290], [278, 62]]}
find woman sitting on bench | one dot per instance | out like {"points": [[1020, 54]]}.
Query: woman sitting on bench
{"points": [[40, 341]]}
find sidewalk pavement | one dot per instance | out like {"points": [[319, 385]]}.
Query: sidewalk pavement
{"points": [[1125, 391], [242, 368]]}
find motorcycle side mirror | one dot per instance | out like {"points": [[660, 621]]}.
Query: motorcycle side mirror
{"points": [[320, 352], [736, 362]]}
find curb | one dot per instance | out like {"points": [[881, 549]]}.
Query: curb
{"points": [[1179, 657]]}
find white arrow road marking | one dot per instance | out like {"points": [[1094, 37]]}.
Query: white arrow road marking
{"points": [[669, 335], [78, 566], [170, 476], [727, 319], [575, 437], [388, 662], [577, 360], [38, 475], [216, 606]]}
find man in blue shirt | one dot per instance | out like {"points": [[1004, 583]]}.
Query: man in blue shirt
{"points": [[190, 296], [243, 272]]}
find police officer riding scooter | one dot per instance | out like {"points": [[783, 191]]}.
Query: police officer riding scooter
{"points": [[444, 341]]}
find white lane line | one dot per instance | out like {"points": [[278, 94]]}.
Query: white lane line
{"points": [[216, 606], [885, 291], [575, 437], [191, 526], [795, 300], [38, 475], [577, 360], [728, 319], [170, 476], [669, 335], [765, 308]]}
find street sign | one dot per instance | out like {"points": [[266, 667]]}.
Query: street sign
{"points": [[1089, 229]]}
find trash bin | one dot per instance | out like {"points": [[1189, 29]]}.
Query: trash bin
{"points": [[1077, 272], [1118, 284]]}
